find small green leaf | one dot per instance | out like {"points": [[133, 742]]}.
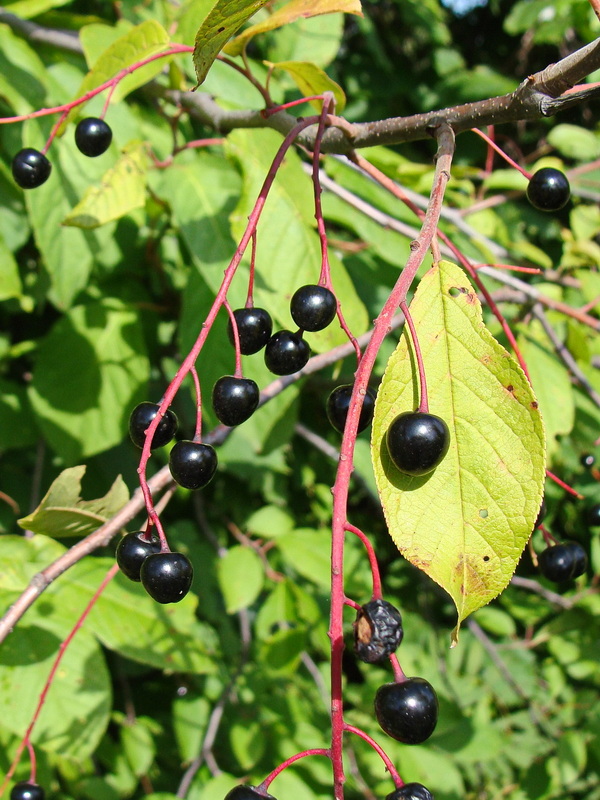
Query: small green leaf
{"points": [[575, 142], [123, 189], [308, 553], [290, 12], [225, 18], [63, 513], [466, 523], [140, 42], [312, 80], [241, 577]]}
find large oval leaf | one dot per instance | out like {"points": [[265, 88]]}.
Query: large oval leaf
{"points": [[466, 523]]}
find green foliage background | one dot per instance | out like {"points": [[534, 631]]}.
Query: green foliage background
{"points": [[95, 319]]}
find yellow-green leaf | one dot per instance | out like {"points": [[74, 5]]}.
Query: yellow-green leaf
{"points": [[122, 189], [290, 12], [312, 80], [219, 26], [466, 523], [140, 42], [63, 513]]}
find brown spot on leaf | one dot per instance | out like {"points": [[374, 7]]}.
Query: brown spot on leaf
{"points": [[534, 405]]}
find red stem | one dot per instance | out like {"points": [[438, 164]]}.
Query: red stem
{"points": [[379, 750], [501, 152], [320, 751], [424, 399], [61, 652], [236, 339], [198, 391], [377, 593]]}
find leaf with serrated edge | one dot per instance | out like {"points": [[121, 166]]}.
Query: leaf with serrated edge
{"points": [[225, 18], [290, 12], [122, 189], [312, 80], [466, 523], [63, 513]]}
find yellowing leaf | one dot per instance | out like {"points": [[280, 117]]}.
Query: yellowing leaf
{"points": [[290, 12], [466, 523], [63, 513], [219, 26], [312, 80], [140, 42], [122, 189]]}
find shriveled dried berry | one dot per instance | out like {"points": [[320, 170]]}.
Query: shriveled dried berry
{"points": [[377, 631]]}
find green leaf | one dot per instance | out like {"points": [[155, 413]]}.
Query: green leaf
{"points": [[270, 522], [290, 12], [225, 18], [10, 280], [466, 523], [241, 577], [141, 42], [574, 142], [23, 79], [123, 189], [63, 513], [308, 553], [18, 427], [76, 711], [33, 8], [312, 80], [107, 359], [551, 382]]}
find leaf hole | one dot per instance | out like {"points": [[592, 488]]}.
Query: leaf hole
{"points": [[455, 291], [483, 512], [486, 558]]}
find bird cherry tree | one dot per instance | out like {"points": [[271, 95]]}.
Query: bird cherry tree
{"points": [[199, 229]]}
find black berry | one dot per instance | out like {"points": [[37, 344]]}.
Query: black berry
{"points": [[407, 711], [286, 353], [26, 791], [254, 329], [30, 168], [167, 577], [247, 793], [234, 399], [377, 631], [338, 404], [548, 189], [417, 442], [140, 419], [541, 515], [133, 550], [93, 136], [593, 516], [587, 460], [313, 307], [563, 562], [192, 464], [411, 791]]}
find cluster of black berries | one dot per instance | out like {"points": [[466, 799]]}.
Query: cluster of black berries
{"points": [[30, 168], [409, 791]]}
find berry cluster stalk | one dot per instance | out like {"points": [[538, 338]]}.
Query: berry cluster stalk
{"points": [[445, 139]]}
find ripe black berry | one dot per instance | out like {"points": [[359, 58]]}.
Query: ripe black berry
{"points": [[593, 516], [338, 404], [26, 791], [563, 562], [133, 550], [140, 419], [192, 464], [548, 189], [234, 399], [30, 168], [247, 793], [377, 631], [286, 353], [167, 577], [93, 136], [411, 791], [313, 307], [407, 711], [417, 442], [254, 329], [587, 460], [541, 515]]}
